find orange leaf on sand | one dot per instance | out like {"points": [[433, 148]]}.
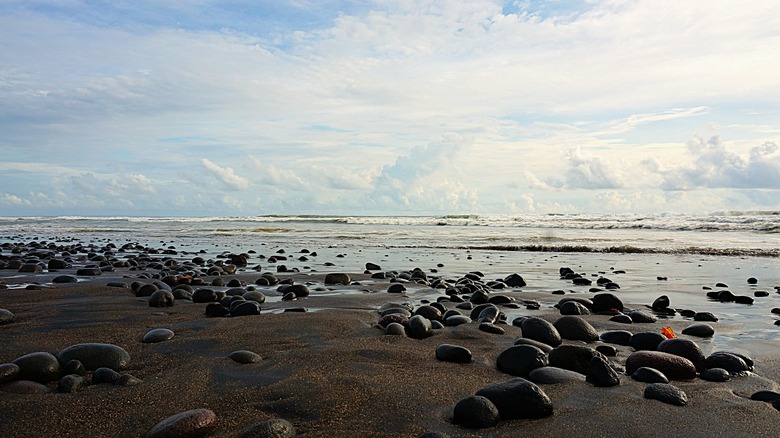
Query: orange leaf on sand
{"points": [[668, 332]]}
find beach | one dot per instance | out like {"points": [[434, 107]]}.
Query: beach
{"points": [[328, 367]]}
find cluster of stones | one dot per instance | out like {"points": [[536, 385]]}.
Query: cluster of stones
{"points": [[541, 356], [202, 422], [72, 368]]}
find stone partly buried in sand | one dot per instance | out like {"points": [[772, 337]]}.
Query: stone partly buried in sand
{"points": [[41, 367], [666, 393], [518, 398], [193, 423], [157, 335], [6, 317], [93, 356], [672, 366]]}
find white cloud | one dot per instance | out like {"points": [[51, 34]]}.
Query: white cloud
{"points": [[10, 199], [226, 175]]}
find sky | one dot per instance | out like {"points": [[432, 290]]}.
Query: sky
{"points": [[388, 107]]}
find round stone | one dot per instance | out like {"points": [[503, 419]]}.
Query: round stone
{"points": [[6, 317], [70, 383], [649, 375], [337, 278], [666, 393], [395, 329], [204, 296], [715, 375], [453, 353], [554, 375], [728, 361], [396, 288], [64, 279], [246, 308], [276, 428], [573, 308], [158, 335], [601, 373], [41, 367], [606, 302], [705, 316], [94, 356], [640, 317], [8, 372], [540, 330], [646, 340], [618, 337], [104, 375], [520, 360], [254, 296], [685, 348], [699, 330], [197, 422], [245, 357], [475, 412], [162, 298], [576, 358], [575, 328], [419, 327], [518, 398], [24, 387]]}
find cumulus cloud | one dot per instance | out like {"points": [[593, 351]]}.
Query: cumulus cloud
{"points": [[226, 175], [10, 199], [714, 165]]}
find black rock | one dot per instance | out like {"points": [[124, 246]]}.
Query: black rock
{"points": [[705, 316], [453, 353], [666, 393], [514, 280], [519, 360], [572, 357], [573, 308], [475, 412], [337, 278], [246, 308], [622, 318], [646, 340], [95, 355], [606, 302], [276, 428], [660, 303], [419, 327], [649, 375], [456, 320], [64, 279], [699, 330], [641, 317], [6, 317], [204, 296], [216, 310], [104, 375], [396, 288], [518, 398], [8, 372], [715, 375], [41, 367], [245, 357], [157, 335], [489, 327], [70, 383], [618, 337], [685, 348], [74, 367], [765, 396], [540, 345], [575, 328], [540, 330], [601, 373], [607, 350], [554, 375], [728, 361], [162, 298]]}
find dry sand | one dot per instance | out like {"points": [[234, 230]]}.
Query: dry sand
{"points": [[331, 372]]}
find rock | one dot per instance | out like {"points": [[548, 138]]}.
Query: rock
{"points": [[575, 328], [127, 380], [246, 308], [649, 375], [489, 327], [162, 298], [245, 357], [276, 428], [573, 308], [641, 317], [485, 313], [429, 312], [622, 318], [70, 383], [540, 330], [395, 329], [41, 367], [728, 361], [74, 367], [194, 423], [601, 373], [475, 412], [673, 367], [88, 272], [705, 316], [520, 360], [104, 375], [646, 341], [300, 290], [607, 350], [540, 345], [9, 372], [398, 318], [419, 327], [666, 393], [606, 302], [554, 375], [216, 310], [752, 280], [334, 278], [456, 320], [157, 335], [55, 264], [204, 296], [254, 295], [6, 317], [685, 348], [396, 288], [24, 387], [514, 280], [715, 375], [94, 356], [518, 398], [765, 396], [372, 267], [453, 353], [575, 358], [62, 279], [618, 337], [660, 303], [31, 268], [699, 330]]}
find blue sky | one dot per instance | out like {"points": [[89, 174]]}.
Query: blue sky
{"points": [[198, 107]]}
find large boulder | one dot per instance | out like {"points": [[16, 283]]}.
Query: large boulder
{"points": [[94, 356], [518, 398]]}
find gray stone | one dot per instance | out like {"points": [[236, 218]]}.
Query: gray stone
{"points": [[70, 383], [685, 348], [245, 356], [157, 335], [276, 428], [6, 317], [601, 373], [699, 330], [519, 360], [337, 278], [41, 367], [104, 375], [475, 412], [419, 327], [518, 398], [9, 372], [162, 298], [94, 356], [554, 375], [728, 361], [666, 393], [540, 330], [453, 353], [573, 357], [715, 375], [649, 375], [575, 328], [193, 423]]}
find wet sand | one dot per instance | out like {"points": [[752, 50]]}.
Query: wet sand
{"points": [[333, 372]]}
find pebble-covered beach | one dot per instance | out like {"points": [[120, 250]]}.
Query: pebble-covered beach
{"points": [[112, 338]]}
